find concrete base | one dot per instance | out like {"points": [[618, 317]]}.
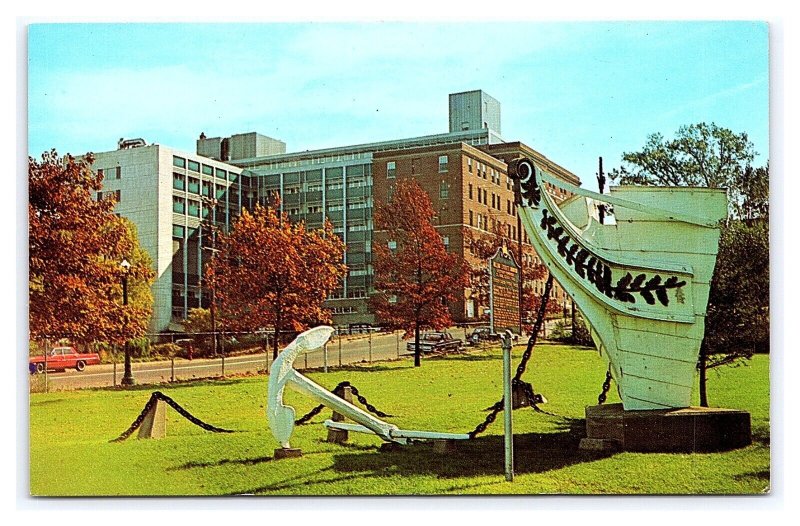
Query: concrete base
{"points": [[154, 424], [666, 430], [292, 452]]}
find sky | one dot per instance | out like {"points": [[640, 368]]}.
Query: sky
{"points": [[574, 91]]}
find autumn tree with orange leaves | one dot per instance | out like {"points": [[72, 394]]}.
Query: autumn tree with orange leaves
{"points": [[416, 279], [484, 247], [272, 273], [76, 245]]}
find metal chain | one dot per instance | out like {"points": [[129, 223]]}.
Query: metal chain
{"points": [[371, 408], [158, 395], [498, 406], [338, 390], [139, 419], [606, 386]]}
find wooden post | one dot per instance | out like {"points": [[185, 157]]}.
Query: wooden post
{"points": [[339, 436]]}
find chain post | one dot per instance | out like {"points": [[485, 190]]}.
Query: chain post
{"points": [[339, 337], [305, 360], [325, 358], [370, 345], [508, 435]]}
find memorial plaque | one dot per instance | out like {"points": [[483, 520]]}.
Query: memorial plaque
{"points": [[504, 292]]}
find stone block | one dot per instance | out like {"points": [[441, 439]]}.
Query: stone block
{"points": [[154, 424], [668, 430]]}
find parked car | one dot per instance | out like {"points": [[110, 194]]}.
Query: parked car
{"points": [[61, 359], [436, 342], [485, 333], [482, 334]]}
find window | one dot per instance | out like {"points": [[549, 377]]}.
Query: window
{"points": [[391, 169], [294, 211], [194, 185], [469, 164], [178, 231], [444, 190], [178, 181], [221, 192], [414, 166], [208, 170], [194, 166], [443, 163], [392, 245], [180, 162], [393, 298], [314, 209], [194, 208], [470, 218], [446, 241], [178, 205], [470, 190], [208, 189], [221, 173]]}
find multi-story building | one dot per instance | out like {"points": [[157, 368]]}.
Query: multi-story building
{"points": [[168, 194]]}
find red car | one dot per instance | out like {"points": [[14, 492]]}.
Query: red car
{"points": [[61, 359]]}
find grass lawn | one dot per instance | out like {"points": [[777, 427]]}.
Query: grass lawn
{"points": [[70, 452]]}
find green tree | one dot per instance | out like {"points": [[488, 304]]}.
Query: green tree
{"points": [[706, 155]]}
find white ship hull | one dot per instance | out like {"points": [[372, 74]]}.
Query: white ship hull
{"points": [[641, 280]]}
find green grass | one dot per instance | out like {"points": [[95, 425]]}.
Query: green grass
{"points": [[71, 454]]}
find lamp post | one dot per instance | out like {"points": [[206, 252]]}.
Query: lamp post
{"points": [[127, 377]]}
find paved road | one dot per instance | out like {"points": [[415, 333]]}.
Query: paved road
{"points": [[353, 349]]}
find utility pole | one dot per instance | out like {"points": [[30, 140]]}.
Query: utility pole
{"points": [[208, 223]]}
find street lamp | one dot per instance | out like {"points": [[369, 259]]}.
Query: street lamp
{"points": [[127, 378]]}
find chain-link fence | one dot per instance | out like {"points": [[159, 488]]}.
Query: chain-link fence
{"points": [[161, 358]]}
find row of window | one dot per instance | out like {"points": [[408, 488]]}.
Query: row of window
{"points": [[481, 171], [391, 166], [114, 172], [194, 166], [110, 194]]}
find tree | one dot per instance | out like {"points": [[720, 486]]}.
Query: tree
{"points": [[76, 245], [270, 272], [699, 155], [702, 154], [484, 247], [415, 277]]}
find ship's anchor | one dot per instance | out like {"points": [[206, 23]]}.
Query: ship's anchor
{"points": [[281, 417]]}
